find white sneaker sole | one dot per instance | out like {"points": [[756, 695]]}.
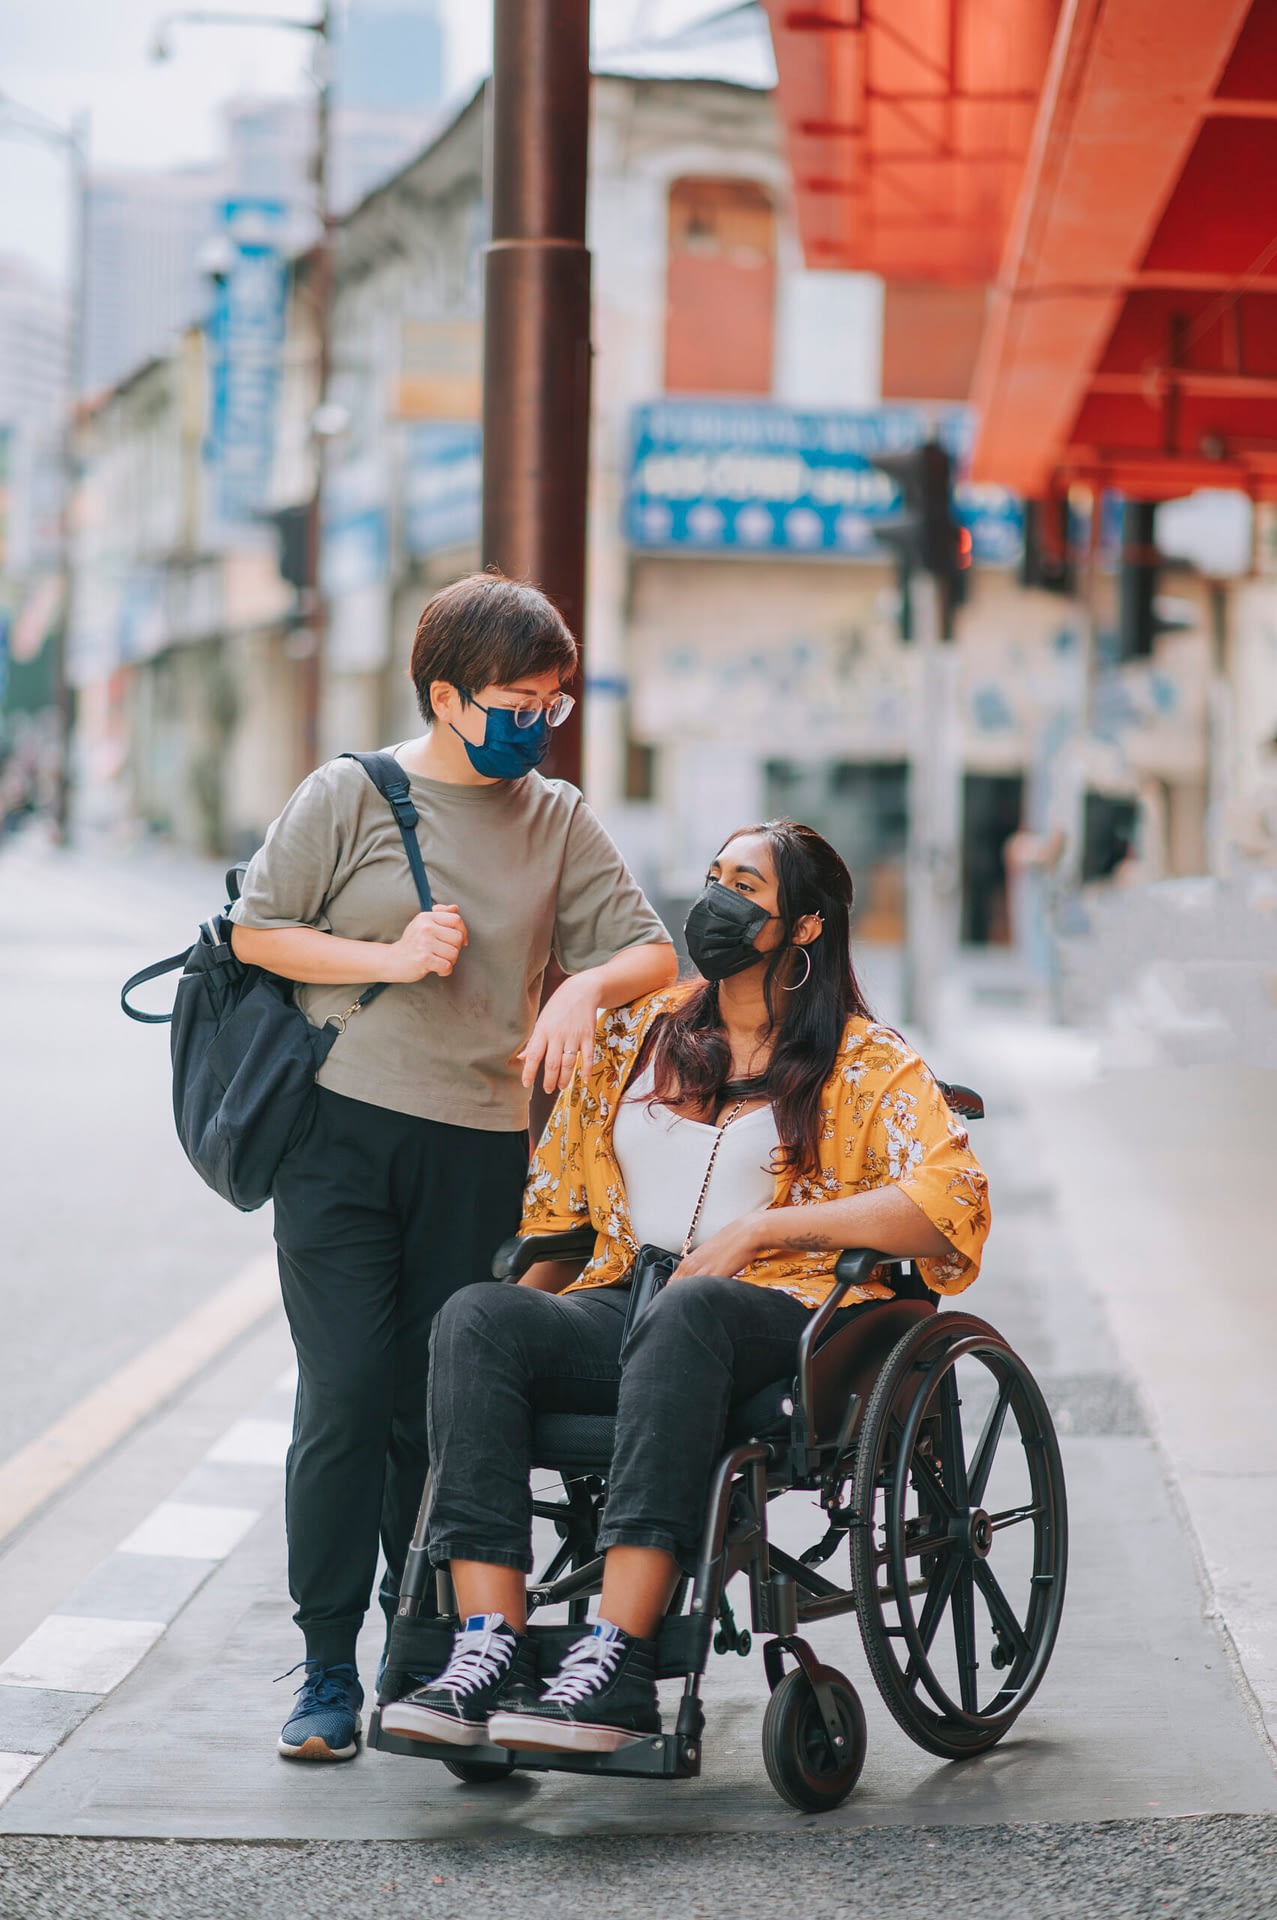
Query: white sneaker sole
{"points": [[439, 1729], [529, 1731], [319, 1750]]}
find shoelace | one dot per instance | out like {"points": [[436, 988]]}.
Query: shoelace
{"points": [[323, 1686], [589, 1664], [478, 1657]]}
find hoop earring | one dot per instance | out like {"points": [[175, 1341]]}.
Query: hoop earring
{"points": [[806, 977]]}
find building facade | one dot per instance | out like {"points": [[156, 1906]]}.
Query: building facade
{"points": [[743, 649]]}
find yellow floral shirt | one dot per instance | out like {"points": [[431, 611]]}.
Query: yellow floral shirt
{"points": [[885, 1123]]}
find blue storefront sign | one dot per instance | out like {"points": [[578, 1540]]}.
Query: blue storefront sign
{"points": [[246, 337], [443, 486], [710, 476]]}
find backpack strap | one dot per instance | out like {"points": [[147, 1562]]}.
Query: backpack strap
{"points": [[174, 964], [391, 783]]}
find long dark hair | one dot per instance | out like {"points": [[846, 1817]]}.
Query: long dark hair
{"points": [[688, 1050]]}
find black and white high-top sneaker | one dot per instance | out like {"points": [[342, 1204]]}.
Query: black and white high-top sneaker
{"points": [[453, 1708], [603, 1697]]}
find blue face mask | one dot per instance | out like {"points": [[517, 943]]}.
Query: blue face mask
{"points": [[508, 751]]}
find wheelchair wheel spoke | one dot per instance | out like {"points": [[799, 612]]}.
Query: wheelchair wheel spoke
{"points": [[982, 1463], [932, 1613], [1012, 1516], [964, 1636], [954, 1466], [929, 1486], [1000, 1609]]}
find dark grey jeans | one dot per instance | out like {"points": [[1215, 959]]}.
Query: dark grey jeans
{"points": [[501, 1354]]}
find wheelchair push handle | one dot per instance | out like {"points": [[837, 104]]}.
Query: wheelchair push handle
{"points": [[963, 1100]]}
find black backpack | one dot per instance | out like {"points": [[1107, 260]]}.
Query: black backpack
{"points": [[244, 1055]]}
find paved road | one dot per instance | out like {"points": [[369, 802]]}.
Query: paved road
{"points": [[108, 1239], [142, 1613]]}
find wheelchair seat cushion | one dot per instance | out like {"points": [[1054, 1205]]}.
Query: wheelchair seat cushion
{"points": [[582, 1442]]}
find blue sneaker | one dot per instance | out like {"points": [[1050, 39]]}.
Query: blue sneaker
{"points": [[325, 1724]]}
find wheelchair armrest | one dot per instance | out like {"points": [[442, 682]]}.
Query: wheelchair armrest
{"points": [[513, 1257], [963, 1100], [853, 1269]]}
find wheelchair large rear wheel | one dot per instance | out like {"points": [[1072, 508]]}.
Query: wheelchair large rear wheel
{"points": [[959, 1546]]}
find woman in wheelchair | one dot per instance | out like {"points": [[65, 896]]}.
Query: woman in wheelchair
{"points": [[758, 1118]]}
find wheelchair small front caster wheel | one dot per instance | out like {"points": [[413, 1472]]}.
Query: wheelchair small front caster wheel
{"points": [[796, 1746], [744, 1641], [481, 1773]]}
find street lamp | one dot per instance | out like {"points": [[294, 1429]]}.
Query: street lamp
{"points": [[27, 123], [314, 607]]}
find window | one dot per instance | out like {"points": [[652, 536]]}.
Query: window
{"points": [[720, 293]]}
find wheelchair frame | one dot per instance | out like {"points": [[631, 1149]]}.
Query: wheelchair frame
{"points": [[874, 1411]]}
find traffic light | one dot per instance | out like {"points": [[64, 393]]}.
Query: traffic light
{"points": [[926, 533], [1047, 561], [1140, 618]]}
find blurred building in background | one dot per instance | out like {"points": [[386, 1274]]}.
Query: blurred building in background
{"points": [[34, 343], [149, 235], [1115, 681]]}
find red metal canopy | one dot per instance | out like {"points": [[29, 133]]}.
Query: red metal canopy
{"points": [[1132, 337], [907, 123], [1128, 219]]}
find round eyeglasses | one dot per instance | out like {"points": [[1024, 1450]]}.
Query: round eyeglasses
{"points": [[556, 710]]}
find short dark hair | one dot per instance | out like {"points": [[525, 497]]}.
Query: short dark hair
{"points": [[487, 631]]}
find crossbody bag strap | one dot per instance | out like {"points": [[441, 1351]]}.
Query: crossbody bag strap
{"points": [[391, 783], [713, 1155]]}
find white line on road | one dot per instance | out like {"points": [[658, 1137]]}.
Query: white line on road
{"points": [[77, 1653], [43, 1467], [254, 1443], [178, 1529], [14, 1768]]}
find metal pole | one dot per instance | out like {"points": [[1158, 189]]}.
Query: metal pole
{"points": [[536, 348], [933, 852], [320, 279]]}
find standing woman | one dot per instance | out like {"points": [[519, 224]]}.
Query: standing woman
{"points": [[413, 1169]]}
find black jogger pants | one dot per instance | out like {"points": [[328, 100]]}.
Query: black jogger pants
{"points": [[379, 1218]]}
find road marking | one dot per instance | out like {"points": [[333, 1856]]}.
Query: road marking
{"points": [[79, 1653], [254, 1443], [48, 1463], [14, 1768], [181, 1531]]}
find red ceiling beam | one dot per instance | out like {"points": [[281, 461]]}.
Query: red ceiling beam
{"points": [[1128, 85]]}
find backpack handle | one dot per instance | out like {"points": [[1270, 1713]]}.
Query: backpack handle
{"points": [[174, 964]]}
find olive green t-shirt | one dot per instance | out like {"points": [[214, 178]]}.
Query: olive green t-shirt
{"points": [[531, 871]]}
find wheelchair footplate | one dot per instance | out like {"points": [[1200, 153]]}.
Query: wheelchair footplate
{"points": [[423, 1644]]}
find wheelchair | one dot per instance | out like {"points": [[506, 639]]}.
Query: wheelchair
{"points": [[928, 1449]]}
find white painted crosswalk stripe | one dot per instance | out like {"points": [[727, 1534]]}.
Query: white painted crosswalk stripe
{"points": [[14, 1768], [80, 1653], [183, 1531], [253, 1443]]}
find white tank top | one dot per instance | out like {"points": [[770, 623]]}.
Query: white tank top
{"points": [[663, 1157]]}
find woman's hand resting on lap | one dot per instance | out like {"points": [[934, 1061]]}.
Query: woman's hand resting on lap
{"points": [[727, 1251]]}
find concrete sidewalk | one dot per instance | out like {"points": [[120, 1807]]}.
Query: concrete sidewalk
{"points": [[1165, 1180]]}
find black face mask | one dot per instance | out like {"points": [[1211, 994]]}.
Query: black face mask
{"points": [[720, 932]]}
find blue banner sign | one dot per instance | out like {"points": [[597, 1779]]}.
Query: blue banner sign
{"points": [[443, 486], [711, 476], [246, 337]]}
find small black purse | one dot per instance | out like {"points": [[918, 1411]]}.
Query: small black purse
{"points": [[655, 1265]]}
